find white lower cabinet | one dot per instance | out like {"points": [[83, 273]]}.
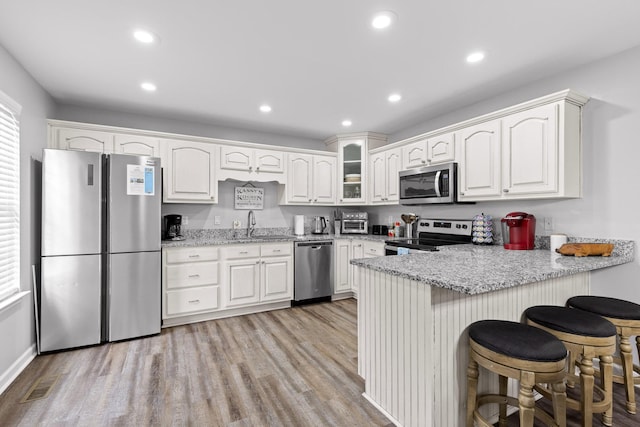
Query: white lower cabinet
{"points": [[347, 278]]}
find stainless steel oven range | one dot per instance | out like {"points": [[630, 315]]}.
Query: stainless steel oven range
{"points": [[430, 234]]}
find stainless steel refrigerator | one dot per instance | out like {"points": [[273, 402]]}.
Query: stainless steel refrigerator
{"points": [[100, 248]]}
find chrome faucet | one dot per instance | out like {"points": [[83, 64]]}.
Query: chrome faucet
{"points": [[251, 223]]}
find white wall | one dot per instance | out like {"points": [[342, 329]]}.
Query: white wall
{"points": [[16, 322], [611, 160]]}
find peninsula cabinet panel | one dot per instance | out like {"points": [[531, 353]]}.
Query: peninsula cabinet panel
{"points": [[189, 172], [83, 140], [480, 168], [138, 145]]}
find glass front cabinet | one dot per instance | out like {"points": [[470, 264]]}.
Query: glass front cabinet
{"points": [[352, 152]]}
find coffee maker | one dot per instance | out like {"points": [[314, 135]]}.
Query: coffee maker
{"points": [[172, 227], [519, 231]]}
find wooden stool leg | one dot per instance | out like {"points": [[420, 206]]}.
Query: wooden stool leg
{"points": [[586, 392], [502, 387], [627, 368], [526, 399], [472, 389], [606, 380], [559, 400], [571, 369]]}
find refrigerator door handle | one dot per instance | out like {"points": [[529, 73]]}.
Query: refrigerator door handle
{"points": [[90, 174]]}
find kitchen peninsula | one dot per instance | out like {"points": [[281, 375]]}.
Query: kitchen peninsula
{"points": [[413, 312]]}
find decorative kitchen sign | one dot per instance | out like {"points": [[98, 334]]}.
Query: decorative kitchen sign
{"points": [[249, 197], [140, 180]]}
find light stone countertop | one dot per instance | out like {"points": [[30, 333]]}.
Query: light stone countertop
{"points": [[472, 269]]}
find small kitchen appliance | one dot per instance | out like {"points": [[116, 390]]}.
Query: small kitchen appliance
{"points": [[318, 225], [430, 234], [173, 227], [518, 231], [355, 223], [380, 230]]}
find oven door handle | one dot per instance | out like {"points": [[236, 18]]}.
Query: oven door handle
{"points": [[437, 183]]}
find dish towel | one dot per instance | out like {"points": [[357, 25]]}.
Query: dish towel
{"points": [[403, 251]]}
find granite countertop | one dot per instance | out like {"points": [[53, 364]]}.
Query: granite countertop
{"points": [[225, 237], [471, 269]]}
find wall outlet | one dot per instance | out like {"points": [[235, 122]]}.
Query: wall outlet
{"points": [[237, 224], [548, 223], [185, 220], [216, 220]]}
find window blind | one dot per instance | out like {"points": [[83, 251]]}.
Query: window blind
{"points": [[9, 198]]}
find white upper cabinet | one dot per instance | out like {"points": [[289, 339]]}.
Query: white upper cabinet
{"points": [[429, 151], [383, 178], [479, 169], [311, 179], [189, 172], [251, 164], [139, 145], [82, 140]]}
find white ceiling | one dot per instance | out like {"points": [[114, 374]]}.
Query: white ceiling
{"points": [[315, 62]]}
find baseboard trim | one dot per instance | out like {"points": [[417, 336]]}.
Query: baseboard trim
{"points": [[17, 367]]}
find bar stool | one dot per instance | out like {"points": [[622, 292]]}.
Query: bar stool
{"points": [[527, 354], [586, 336], [625, 316]]}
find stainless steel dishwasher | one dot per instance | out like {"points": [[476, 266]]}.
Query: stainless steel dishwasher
{"points": [[313, 271]]}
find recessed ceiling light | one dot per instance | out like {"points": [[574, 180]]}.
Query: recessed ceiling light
{"points": [[148, 86], [394, 97], [265, 108], [346, 123], [383, 20], [144, 36], [475, 57]]}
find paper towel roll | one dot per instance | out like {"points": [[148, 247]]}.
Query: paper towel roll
{"points": [[557, 240], [298, 227]]}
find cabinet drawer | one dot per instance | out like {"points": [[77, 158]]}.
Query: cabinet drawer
{"points": [[193, 274], [190, 300], [242, 251], [373, 249], [276, 249], [195, 254]]}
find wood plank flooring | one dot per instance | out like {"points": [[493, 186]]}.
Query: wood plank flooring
{"points": [[293, 367]]}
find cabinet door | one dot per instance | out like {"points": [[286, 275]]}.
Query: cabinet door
{"points": [[392, 168], [352, 170], [243, 279], [530, 151], [480, 171], [276, 279], [357, 251], [441, 148], [324, 180], [190, 172], [378, 177], [342, 266], [137, 145], [85, 140], [299, 178], [414, 155], [236, 158], [269, 161]]}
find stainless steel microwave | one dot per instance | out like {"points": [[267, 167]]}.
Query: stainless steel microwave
{"points": [[429, 185]]}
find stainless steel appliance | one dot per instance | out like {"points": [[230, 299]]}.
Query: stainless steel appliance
{"points": [[429, 185], [100, 248], [313, 271], [318, 225], [432, 233], [172, 226], [355, 223]]}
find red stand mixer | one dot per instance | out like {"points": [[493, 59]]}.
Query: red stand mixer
{"points": [[518, 231]]}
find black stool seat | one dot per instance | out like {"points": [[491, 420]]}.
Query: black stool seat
{"points": [[607, 307], [571, 321], [517, 340]]}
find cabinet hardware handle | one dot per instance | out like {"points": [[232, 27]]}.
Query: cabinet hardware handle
{"points": [[194, 256], [424, 161], [257, 262], [194, 275], [505, 190], [213, 198], [340, 199], [257, 168], [310, 200], [250, 167], [244, 252], [194, 301], [276, 250], [462, 193]]}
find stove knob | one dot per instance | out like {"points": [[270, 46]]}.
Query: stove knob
{"points": [[458, 226], [464, 226]]}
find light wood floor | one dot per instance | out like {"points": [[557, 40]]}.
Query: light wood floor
{"points": [[293, 367]]}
